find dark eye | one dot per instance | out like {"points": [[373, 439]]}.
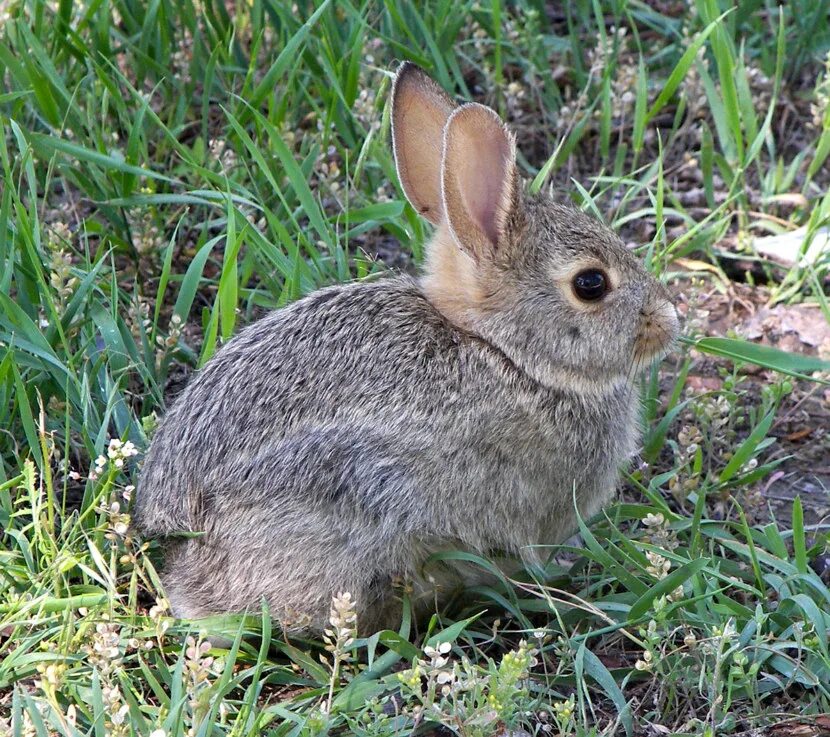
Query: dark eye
{"points": [[590, 284]]}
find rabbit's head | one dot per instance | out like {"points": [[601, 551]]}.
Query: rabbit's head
{"points": [[555, 290]]}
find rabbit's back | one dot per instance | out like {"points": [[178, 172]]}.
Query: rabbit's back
{"points": [[346, 355]]}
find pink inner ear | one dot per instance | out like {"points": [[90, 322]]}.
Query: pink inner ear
{"points": [[483, 163], [486, 184], [478, 178]]}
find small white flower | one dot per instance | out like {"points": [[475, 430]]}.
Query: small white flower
{"points": [[119, 716], [159, 609], [690, 640], [646, 662], [654, 520], [441, 649], [659, 566]]}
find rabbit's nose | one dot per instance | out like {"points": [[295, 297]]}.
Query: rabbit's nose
{"points": [[658, 327]]}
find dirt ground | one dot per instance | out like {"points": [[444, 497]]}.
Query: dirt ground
{"points": [[802, 424]]}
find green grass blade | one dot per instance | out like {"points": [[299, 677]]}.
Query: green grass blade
{"points": [[791, 364]]}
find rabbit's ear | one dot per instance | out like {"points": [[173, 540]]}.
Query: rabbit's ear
{"points": [[479, 178], [420, 109]]}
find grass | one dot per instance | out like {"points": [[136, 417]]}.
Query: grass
{"points": [[170, 170]]}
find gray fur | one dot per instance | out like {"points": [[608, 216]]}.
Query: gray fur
{"points": [[338, 442]]}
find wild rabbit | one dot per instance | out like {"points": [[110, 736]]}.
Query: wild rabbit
{"points": [[337, 443]]}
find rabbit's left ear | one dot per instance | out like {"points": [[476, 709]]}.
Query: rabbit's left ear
{"points": [[480, 183], [420, 109]]}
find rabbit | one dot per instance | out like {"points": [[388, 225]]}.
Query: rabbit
{"points": [[338, 442]]}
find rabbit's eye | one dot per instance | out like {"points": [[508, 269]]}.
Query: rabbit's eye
{"points": [[590, 284]]}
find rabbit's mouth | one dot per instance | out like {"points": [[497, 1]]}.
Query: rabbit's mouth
{"points": [[657, 332]]}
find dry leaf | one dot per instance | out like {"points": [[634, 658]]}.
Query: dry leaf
{"points": [[806, 322], [786, 248]]}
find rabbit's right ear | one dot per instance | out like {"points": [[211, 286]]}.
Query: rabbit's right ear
{"points": [[420, 109], [480, 183]]}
